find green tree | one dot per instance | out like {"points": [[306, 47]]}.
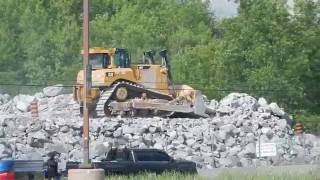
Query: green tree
{"points": [[141, 25], [307, 20], [262, 52]]}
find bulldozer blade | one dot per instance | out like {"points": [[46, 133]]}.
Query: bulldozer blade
{"points": [[199, 105]]}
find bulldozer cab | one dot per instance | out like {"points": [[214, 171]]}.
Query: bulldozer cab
{"points": [[99, 61], [122, 58], [101, 58]]}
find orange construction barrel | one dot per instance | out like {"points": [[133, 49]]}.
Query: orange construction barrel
{"points": [[298, 129], [34, 109]]}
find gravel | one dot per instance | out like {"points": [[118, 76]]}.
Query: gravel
{"points": [[227, 139]]}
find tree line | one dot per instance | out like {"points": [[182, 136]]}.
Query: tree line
{"points": [[269, 49]]}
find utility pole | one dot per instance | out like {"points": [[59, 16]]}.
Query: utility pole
{"points": [[86, 170], [87, 82]]}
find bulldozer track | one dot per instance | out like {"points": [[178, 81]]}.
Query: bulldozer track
{"points": [[107, 95], [104, 98]]}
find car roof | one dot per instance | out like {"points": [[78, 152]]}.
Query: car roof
{"points": [[139, 150], [146, 150]]}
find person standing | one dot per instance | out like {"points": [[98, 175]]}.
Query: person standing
{"points": [[52, 168]]}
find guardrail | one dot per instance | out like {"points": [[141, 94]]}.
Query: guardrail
{"points": [[28, 166]]}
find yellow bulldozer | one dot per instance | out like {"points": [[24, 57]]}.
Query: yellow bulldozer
{"points": [[120, 87]]}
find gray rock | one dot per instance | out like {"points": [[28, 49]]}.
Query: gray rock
{"points": [[226, 162], [39, 95], [262, 101], [22, 106], [230, 142], [2, 134], [22, 102], [40, 135], [228, 128], [95, 126], [32, 155], [282, 124], [246, 128], [128, 137], [135, 143], [172, 135], [276, 109], [181, 139], [234, 151], [250, 150], [246, 162], [142, 146], [111, 126], [99, 149], [153, 129], [64, 129], [221, 136], [21, 128], [117, 133], [147, 139], [129, 129], [221, 147], [309, 140], [265, 130], [212, 107], [315, 151], [75, 155], [216, 154], [5, 151], [214, 104], [158, 146], [108, 134], [53, 91], [297, 151], [58, 147], [38, 139], [190, 142]]}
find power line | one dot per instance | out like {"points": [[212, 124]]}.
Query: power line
{"points": [[150, 88]]}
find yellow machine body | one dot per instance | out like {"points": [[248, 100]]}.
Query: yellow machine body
{"points": [[118, 86], [151, 76]]}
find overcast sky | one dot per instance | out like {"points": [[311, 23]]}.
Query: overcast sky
{"points": [[225, 8]]}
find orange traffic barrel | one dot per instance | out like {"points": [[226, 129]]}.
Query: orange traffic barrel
{"points": [[298, 129], [34, 109]]}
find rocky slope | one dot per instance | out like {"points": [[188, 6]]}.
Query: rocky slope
{"points": [[227, 139]]}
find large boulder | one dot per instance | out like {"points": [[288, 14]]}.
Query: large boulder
{"points": [[22, 102], [276, 109], [237, 101], [52, 91]]}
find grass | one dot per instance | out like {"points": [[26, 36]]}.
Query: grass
{"points": [[220, 176], [251, 176], [310, 122], [165, 176], [224, 176]]}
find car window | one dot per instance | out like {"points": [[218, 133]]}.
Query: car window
{"points": [[160, 156], [151, 156], [119, 155]]}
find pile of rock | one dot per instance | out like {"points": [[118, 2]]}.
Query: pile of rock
{"points": [[4, 98], [227, 139]]}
